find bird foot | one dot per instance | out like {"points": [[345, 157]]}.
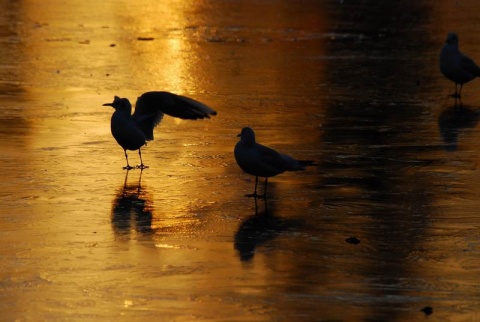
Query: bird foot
{"points": [[142, 166], [128, 167], [456, 95]]}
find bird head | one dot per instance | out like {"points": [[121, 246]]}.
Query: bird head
{"points": [[120, 104], [247, 136], [452, 39]]}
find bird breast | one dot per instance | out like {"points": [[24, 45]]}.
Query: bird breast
{"points": [[126, 132]]}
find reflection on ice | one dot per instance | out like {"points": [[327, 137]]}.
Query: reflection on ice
{"points": [[258, 229], [365, 106], [132, 210], [454, 119]]}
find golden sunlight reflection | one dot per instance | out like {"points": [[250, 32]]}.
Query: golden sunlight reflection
{"points": [[158, 55], [176, 68], [159, 245], [83, 238], [128, 303]]}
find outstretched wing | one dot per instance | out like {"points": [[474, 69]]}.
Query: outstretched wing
{"points": [[151, 106]]}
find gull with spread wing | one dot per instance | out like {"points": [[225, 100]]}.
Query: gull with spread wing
{"points": [[132, 131]]}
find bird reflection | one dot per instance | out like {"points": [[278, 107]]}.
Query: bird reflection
{"points": [[454, 119], [132, 210], [258, 229]]}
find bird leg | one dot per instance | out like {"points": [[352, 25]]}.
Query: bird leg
{"points": [[265, 191], [457, 94], [264, 196], [127, 167], [254, 194], [141, 166]]}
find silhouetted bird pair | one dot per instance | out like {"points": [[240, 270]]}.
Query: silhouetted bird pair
{"points": [[132, 131]]}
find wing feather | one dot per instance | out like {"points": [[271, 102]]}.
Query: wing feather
{"points": [[275, 159], [151, 106], [469, 66]]}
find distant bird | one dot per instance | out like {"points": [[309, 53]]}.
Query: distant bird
{"points": [[261, 161], [457, 67], [133, 131]]}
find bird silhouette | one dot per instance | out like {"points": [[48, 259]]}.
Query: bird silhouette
{"points": [[455, 66], [261, 161], [132, 131]]}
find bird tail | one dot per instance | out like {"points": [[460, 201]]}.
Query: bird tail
{"points": [[302, 164]]}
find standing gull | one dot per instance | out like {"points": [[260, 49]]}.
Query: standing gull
{"points": [[457, 67], [133, 131], [261, 161]]}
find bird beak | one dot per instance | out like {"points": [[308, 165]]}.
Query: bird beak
{"points": [[107, 104], [239, 135]]}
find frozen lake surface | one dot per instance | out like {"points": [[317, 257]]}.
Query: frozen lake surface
{"points": [[385, 226]]}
